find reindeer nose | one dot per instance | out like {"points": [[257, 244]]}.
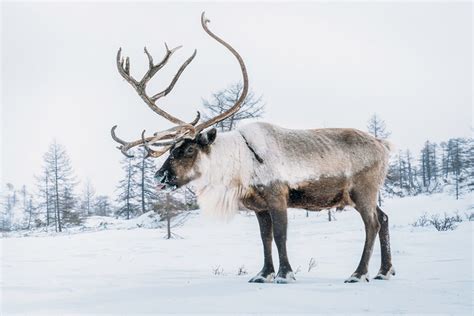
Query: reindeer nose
{"points": [[162, 176]]}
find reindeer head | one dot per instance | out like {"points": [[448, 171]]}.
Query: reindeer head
{"points": [[185, 141], [181, 167]]}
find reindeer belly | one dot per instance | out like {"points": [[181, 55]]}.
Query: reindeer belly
{"points": [[320, 194]]}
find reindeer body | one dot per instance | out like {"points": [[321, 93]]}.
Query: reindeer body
{"points": [[318, 168]]}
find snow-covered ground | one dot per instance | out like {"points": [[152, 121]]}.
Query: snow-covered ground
{"points": [[135, 271]]}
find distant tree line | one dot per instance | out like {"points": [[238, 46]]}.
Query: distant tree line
{"points": [[54, 203], [446, 166], [438, 167]]}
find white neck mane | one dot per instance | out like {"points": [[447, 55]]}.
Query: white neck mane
{"points": [[222, 182]]}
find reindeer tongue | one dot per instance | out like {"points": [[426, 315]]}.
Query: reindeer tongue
{"points": [[160, 187]]}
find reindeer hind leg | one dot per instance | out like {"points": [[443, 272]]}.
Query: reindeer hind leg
{"points": [[386, 268], [367, 209]]}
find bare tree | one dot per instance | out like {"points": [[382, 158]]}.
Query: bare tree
{"points": [[128, 190], [69, 202], [376, 127], [8, 203], [169, 206], [63, 182], [44, 192], [190, 199], [102, 205], [429, 167], [27, 206], [145, 181], [223, 100], [458, 163], [29, 209], [88, 197]]}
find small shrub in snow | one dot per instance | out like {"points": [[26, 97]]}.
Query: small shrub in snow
{"points": [[422, 221], [457, 218], [217, 270], [297, 270], [242, 270], [445, 223], [441, 223], [470, 216], [312, 264]]}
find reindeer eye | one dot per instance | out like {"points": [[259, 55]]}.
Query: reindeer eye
{"points": [[189, 151]]}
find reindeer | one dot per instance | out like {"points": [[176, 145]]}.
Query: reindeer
{"points": [[267, 169]]}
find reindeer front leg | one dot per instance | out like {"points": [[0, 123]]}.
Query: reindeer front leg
{"points": [[280, 224], [268, 271]]}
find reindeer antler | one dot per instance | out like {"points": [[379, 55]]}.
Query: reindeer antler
{"points": [[123, 66], [171, 136], [236, 107]]}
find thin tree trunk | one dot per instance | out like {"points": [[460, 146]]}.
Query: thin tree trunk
{"points": [[129, 180], [423, 168], [186, 199], [168, 215], [56, 184], [47, 198], [30, 208], [457, 186], [88, 201], [457, 170], [400, 172], [143, 185]]}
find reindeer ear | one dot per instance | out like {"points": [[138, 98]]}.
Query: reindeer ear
{"points": [[207, 138], [211, 135]]}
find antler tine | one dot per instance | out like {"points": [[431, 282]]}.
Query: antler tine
{"points": [[196, 120], [152, 68], [243, 95], [150, 58], [150, 152], [123, 66], [124, 146], [175, 79], [145, 145], [114, 137]]}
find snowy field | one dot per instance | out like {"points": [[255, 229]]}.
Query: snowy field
{"points": [[135, 271]]}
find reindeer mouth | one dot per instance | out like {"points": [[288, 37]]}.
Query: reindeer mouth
{"points": [[166, 187], [160, 187], [166, 182]]}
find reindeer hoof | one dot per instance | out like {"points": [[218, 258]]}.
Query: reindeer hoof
{"points": [[259, 278], [355, 278], [289, 278], [385, 276]]}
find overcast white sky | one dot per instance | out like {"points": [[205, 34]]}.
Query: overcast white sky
{"points": [[316, 64]]}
